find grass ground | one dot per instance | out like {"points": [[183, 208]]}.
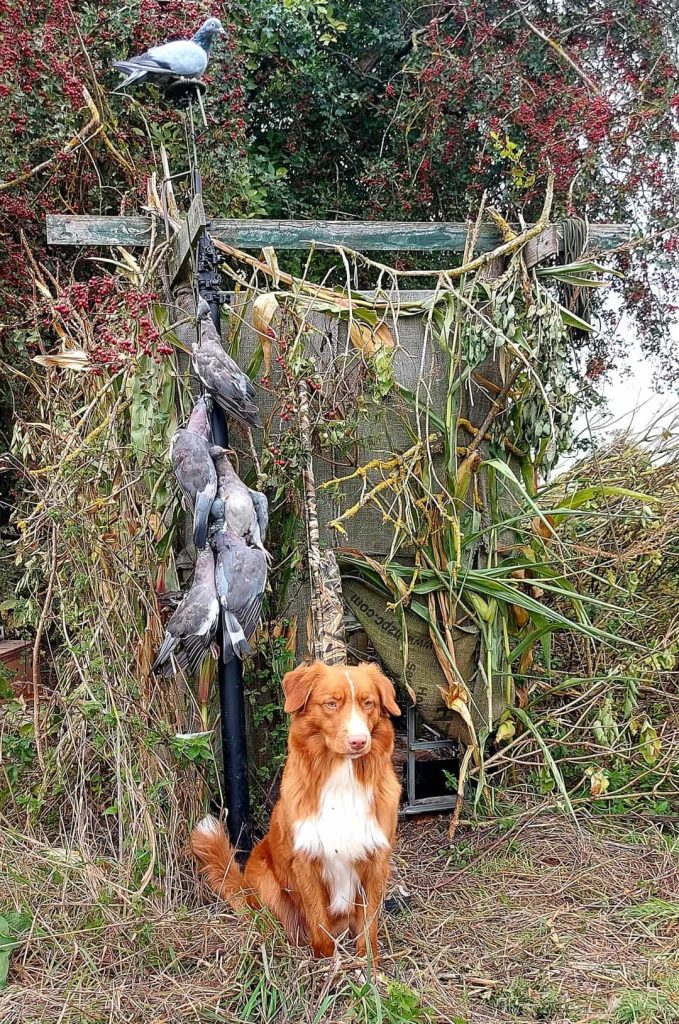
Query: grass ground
{"points": [[524, 918]]}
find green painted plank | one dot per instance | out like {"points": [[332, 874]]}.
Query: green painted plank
{"points": [[68, 230], [365, 236]]}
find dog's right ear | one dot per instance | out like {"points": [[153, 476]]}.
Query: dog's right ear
{"points": [[297, 686]]}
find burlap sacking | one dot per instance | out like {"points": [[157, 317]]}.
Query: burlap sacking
{"points": [[422, 673]]}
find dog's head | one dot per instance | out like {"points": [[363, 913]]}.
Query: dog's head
{"points": [[343, 704]]}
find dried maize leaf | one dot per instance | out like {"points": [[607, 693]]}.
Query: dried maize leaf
{"points": [[264, 309], [75, 359]]}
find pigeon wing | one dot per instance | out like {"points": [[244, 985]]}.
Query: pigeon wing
{"points": [[196, 646], [166, 648], [194, 615], [193, 466], [230, 387], [245, 569], [182, 57], [261, 506]]}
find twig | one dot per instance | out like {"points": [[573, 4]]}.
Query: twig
{"points": [[47, 605], [325, 643], [462, 778], [506, 249], [495, 409], [559, 50]]}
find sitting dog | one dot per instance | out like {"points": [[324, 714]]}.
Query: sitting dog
{"points": [[323, 867]]}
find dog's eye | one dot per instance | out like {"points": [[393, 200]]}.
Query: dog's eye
{"points": [[368, 704], [332, 704]]}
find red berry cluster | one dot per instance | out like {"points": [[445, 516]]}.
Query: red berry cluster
{"points": [[112, 321]]}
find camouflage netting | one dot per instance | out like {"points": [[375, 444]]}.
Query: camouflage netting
{"points": [[418, 367]]}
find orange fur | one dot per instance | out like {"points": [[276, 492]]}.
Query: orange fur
{"points": [[333, 794]]}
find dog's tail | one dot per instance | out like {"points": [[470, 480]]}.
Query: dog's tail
{"points": [[210, 844]]}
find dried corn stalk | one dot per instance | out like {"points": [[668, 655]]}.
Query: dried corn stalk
{"points": [[325, 624]]}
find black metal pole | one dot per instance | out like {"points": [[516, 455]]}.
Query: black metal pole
{"points": [[230, 676], [231, 694], [232, 709]]}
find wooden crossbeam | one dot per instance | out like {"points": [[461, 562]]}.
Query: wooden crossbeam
{"points": [[365, 236], [185, 239]]}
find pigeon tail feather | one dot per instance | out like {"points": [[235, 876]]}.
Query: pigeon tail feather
{"points": [[234, 643], [166, 648], [134, 74]]}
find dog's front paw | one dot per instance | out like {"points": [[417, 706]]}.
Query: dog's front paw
{"points": [[323, 946], [362, 949]]}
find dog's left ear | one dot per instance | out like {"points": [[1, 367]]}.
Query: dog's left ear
{"points": [[297, 686], [386, 690]]}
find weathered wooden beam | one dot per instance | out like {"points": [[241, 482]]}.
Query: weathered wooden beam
{"points": [[183, 242], [63, 229], [546, 244], [366, 236]]}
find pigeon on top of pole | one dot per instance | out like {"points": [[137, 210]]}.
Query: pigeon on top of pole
{"points": [[181, 58], [221, 376], [193, 626], [236, 513], [194, 469]]}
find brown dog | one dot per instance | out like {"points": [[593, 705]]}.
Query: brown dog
{"points": [[323, 867]]}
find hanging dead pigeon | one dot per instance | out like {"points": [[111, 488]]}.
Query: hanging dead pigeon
{"points": [[193, 625], [234, 511], [222, 377], [240, 578], [181, 58], [194, 469]]}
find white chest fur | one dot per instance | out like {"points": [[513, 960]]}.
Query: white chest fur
{"points": [[343, 832]]}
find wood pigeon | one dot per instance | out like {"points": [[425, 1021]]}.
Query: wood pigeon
{"points": [[234, 510], [221, 376], [193, 626], [182, 58], [240, 578], [194, 469]]}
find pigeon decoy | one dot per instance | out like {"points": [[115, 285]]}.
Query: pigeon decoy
{"points": [[221, 376], [240, 577], [193, 626], [194, 469], [181, 58], [236, 514]]}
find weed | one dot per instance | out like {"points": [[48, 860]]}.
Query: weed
{"points": [[649, 1006], [400, 1004], [522, 998]]}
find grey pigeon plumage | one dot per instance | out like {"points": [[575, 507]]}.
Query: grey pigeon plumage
{"points": [[237, 514], [261, 504], [181, 58], [193, 625], [194, 469], [240, 578], [222, 377]]}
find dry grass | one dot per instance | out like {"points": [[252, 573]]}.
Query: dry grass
{"points": [[525, 918]]}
